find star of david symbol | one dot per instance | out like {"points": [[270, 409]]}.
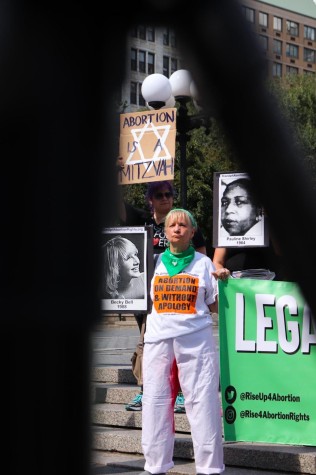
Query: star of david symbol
{"points": [[161, 152]]}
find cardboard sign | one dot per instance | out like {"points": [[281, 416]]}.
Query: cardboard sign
{"points": [[147, 146]]}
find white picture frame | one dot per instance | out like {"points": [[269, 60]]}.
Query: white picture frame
{"points": [[229, 228], [116, 295]]}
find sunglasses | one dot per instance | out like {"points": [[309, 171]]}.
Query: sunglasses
{"points": [[159, 196]]}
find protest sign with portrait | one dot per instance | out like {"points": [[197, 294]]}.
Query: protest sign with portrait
{"points": [[238, 216], [127, 265]]}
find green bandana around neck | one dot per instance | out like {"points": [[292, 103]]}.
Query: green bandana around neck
{"points": [[175, 263]]}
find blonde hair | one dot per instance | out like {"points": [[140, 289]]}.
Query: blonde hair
{"points": [[114, 250], [179, 214]]}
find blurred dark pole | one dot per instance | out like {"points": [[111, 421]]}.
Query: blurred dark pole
{"points": [[57, 191], [61, 66], [183, 138]]}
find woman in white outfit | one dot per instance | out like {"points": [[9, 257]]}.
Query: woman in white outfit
{"points": [[179, 335]]}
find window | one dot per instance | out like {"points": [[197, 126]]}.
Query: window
{"points": [[277, 23], [309, 33], [292, 28], [263, 19], [277, 70], [291, 50], [151, 63], [133, 59], [142, 32], [134, 31], [174, 65], [166, 36], [142, 61], [165, 66], [150, 33], [141, 100], [309, 55], [291, 70], [277, 47], [133, 93], [249, 14], [136, 97], [264, 42]]}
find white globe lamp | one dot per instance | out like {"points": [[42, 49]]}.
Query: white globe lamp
{"points": [[156, 90], [180, 83]]}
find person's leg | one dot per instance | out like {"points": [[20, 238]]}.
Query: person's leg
{"points": [[136, 402], [158, 402], [197, 360], [179, 405]]}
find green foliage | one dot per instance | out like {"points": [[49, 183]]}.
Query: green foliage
{"points": [[208, 150], [296, 94]]}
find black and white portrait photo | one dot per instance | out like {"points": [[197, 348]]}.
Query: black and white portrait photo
{"points": [[124, 276], [238, 216]]}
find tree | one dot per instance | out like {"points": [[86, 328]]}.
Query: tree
{"points": [[296, 94], [209, 150]]}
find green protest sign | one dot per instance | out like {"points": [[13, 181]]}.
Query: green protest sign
{"points": [[268, 362]]}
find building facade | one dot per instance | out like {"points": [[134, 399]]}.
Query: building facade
{"points": [[286, 31], [149, 50], [287, 34]]}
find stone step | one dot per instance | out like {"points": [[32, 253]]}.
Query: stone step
{"points": [[117, 431], [105, 395], [266, 457], [113, 393], [116, 415], [106, 463], [113, 374]]}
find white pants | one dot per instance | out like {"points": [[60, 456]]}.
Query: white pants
{"points": [[197, 360]]}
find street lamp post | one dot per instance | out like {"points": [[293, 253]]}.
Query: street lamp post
{"points": [[161, 92]]}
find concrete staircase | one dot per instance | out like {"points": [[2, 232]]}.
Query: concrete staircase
{"points": [[116, 436]]}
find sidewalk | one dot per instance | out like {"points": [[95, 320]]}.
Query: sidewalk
{"points": [[113, 344]]}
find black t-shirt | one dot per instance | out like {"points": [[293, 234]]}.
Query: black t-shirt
{"points": [[254, 258], [139, 217]]}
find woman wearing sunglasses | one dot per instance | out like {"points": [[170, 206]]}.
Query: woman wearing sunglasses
{"points": [[160, 197]]}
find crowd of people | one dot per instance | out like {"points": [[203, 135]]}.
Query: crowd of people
{"points": [[180, 361]]}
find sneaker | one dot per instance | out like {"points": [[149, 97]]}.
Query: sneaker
{"points": [[136, 404], [179, 404]]}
